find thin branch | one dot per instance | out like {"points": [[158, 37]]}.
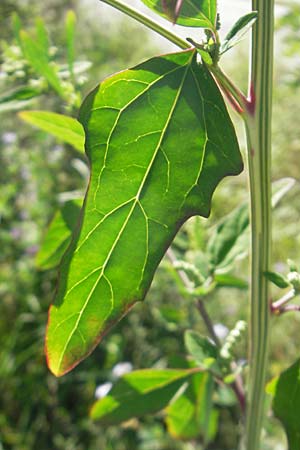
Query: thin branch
{"points": [[206, 319], [149, 23], [276, 306], [288, 308]]}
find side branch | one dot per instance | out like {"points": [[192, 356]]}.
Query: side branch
{"points": [[149, 23]]}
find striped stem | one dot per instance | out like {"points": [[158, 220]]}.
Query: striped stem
{"points": [[258, 127]]}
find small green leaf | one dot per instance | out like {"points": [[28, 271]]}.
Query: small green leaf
{"points": [[14, 105], [205, 57], [280, 188], [278, 279], [58, 235], [225, 396], [19, 94], [143, 126], [238, 30], [38, 59], [42, 36], [16, 25], [286, 402], [226, 244], [292, 266], [191, 415], [204, 352], [70, 33], [65, 128], [193, 13], [230, 240], [139, 393], [229, 280]]}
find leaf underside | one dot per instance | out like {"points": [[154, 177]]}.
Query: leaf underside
{"points": [[58, 236], [158, 139], [193, 13]]}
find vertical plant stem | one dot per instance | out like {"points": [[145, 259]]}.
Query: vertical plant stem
{"points": [[258, 127]]}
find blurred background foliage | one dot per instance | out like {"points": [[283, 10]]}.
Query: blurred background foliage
{"points": [[38, 174]]}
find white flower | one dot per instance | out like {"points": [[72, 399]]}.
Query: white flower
{"points": [[220, 330], [102, 390], [9, 138], [121, 369]]}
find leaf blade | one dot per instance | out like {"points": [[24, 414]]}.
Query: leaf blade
{"points": [[190, 414], [137, 199], [191, 13], [139, 393], [286, 402], [39, 60], [58, 235], [238, 30], [65, 128], [70, 38]]}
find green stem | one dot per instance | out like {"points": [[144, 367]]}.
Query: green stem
{"points": [[149, 23], [234, 95], [258, 127]]}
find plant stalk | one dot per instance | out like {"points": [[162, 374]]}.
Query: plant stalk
{"points": [[149, 23], [258, 129]]}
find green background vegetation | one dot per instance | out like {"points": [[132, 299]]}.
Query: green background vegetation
{"points": [[38, 411]]}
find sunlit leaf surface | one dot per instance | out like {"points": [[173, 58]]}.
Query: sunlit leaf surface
{"points": [[65, 128], [159, 140], [191, 13]]}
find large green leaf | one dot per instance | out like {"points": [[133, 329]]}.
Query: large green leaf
{"points": [[65, 128], [139, 393], [286, 402], [159, 139], [193, 13], [58, 235]]}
